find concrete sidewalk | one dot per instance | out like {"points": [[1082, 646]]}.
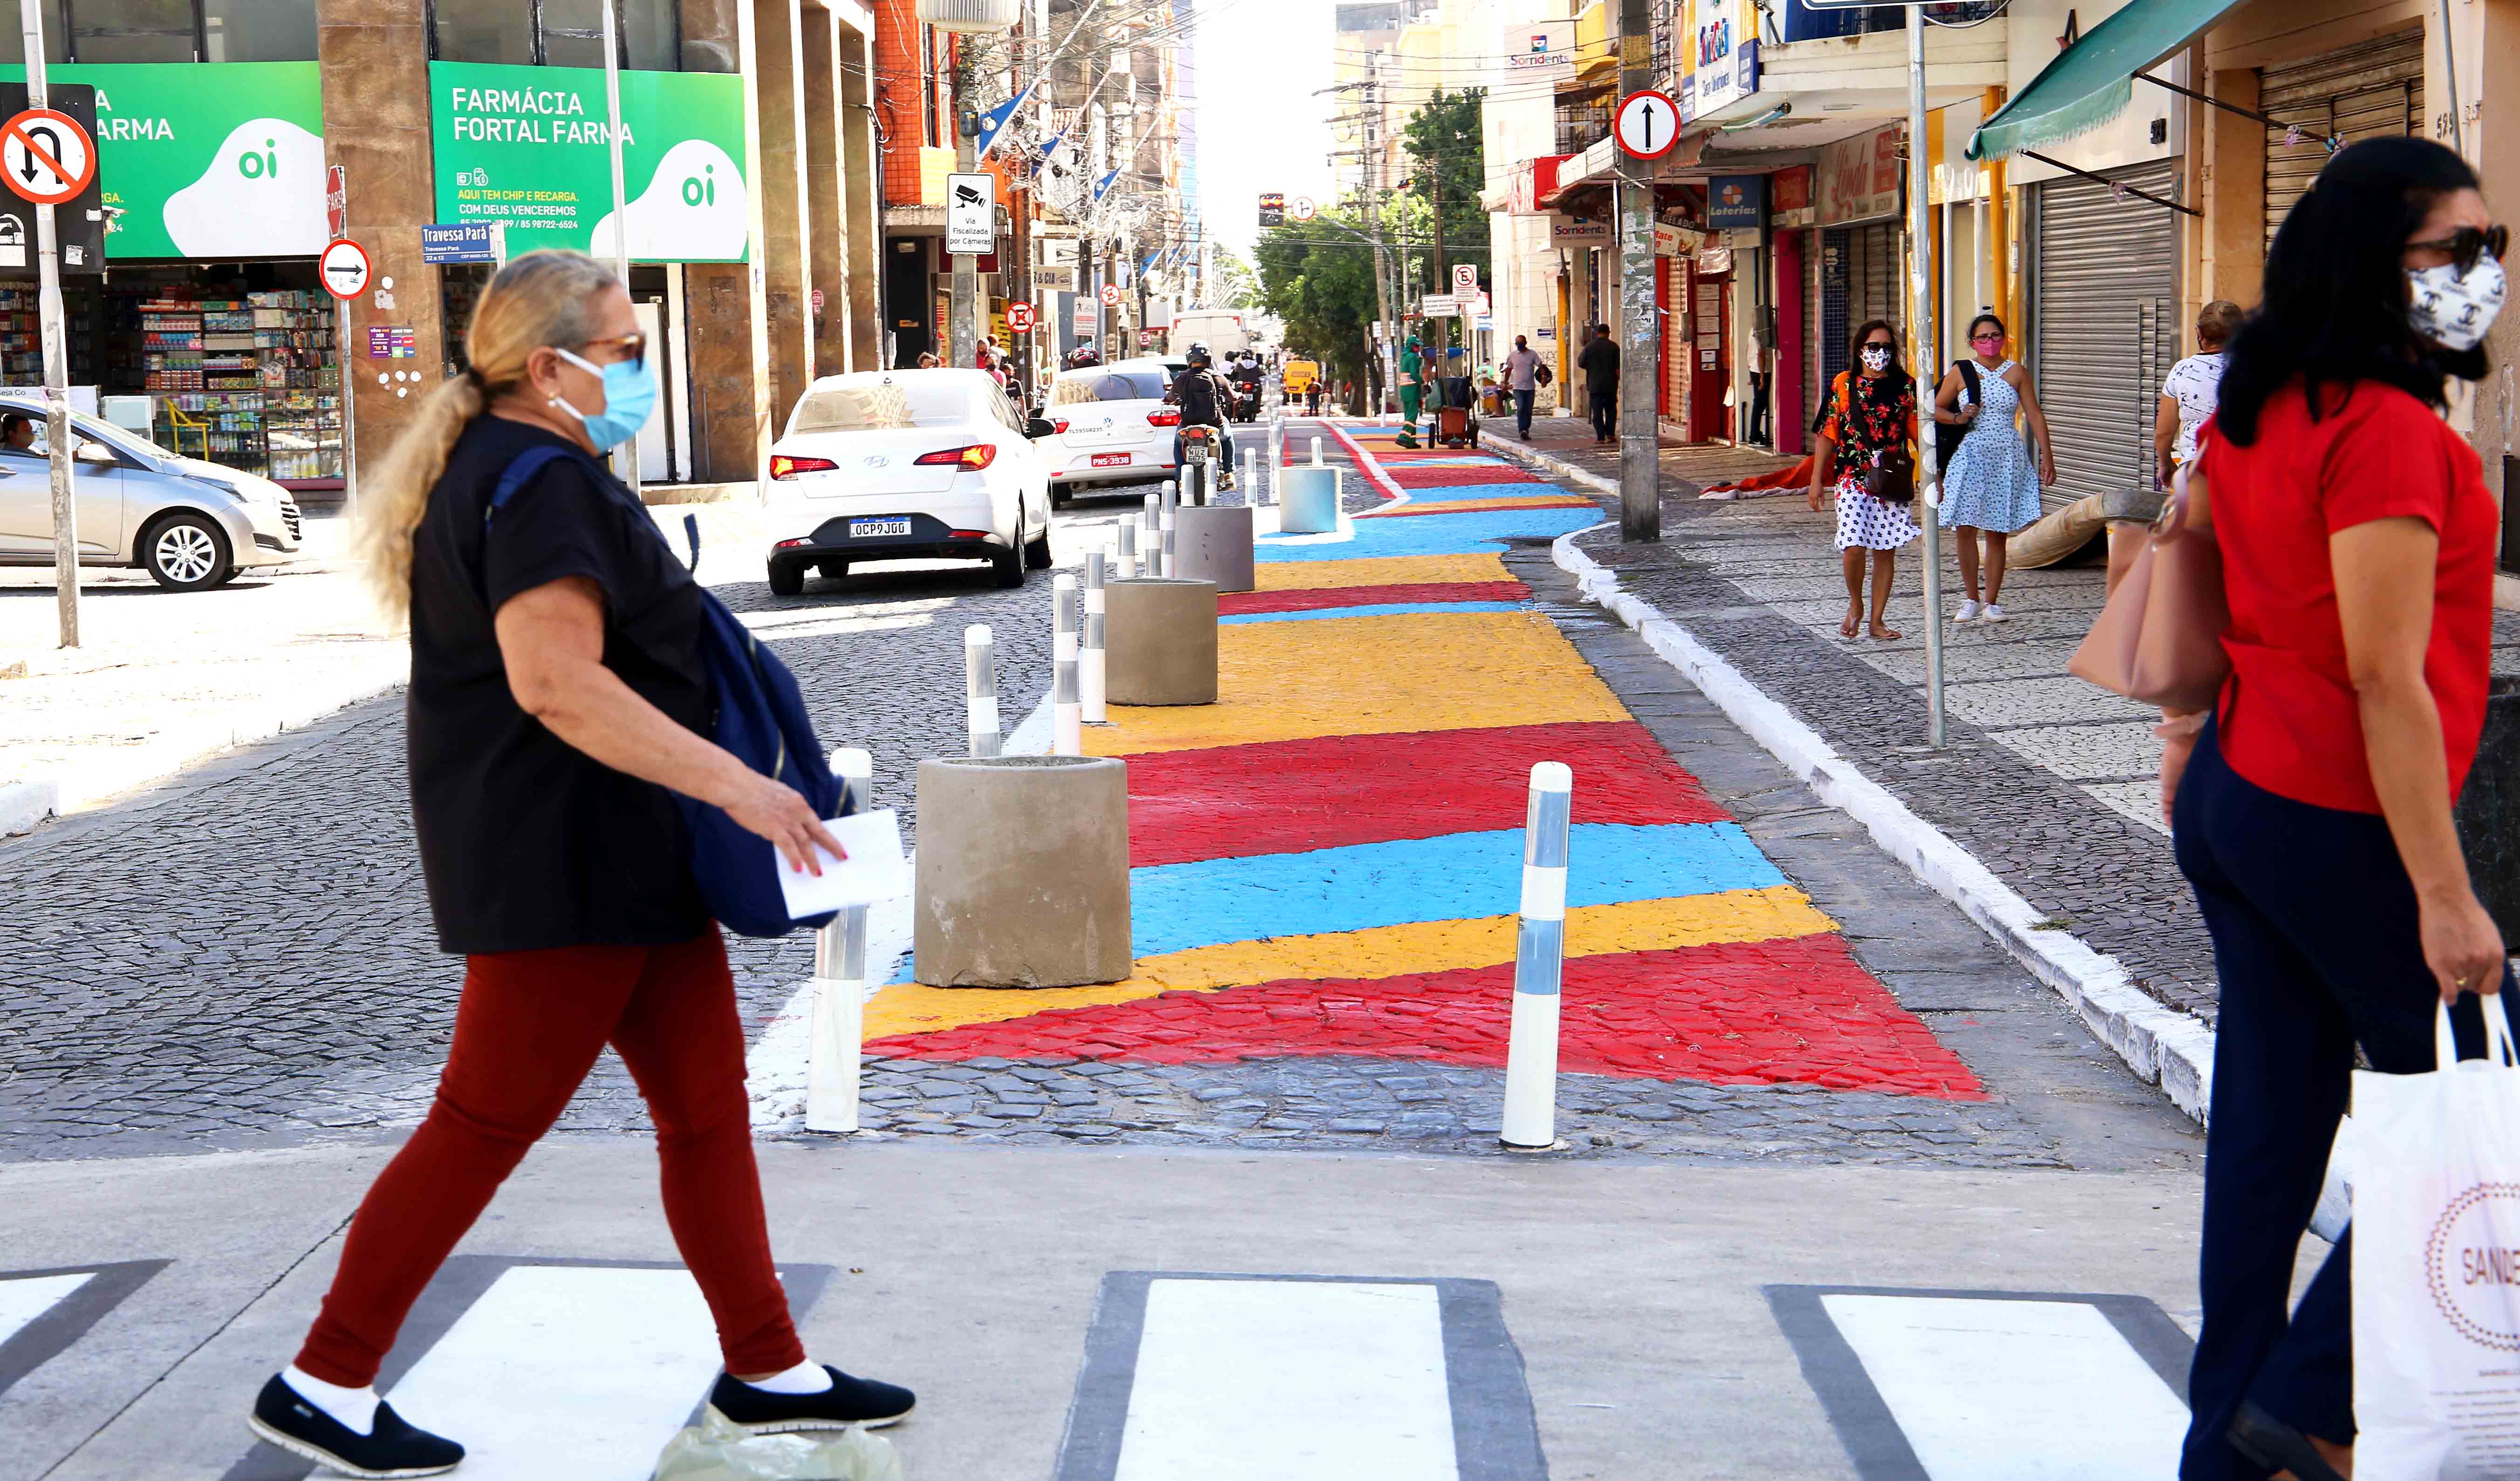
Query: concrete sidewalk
{"points": [[1632, 1296]]}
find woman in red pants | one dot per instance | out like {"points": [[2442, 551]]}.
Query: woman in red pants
{"points": [[555, 703]]}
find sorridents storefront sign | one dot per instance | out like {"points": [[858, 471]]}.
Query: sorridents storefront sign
{"points": [[527, 145], [207, 160]]}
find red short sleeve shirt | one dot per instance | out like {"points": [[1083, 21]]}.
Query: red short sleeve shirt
{"points": [[2289, 719]]}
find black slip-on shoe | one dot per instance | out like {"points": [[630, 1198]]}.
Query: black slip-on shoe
{"points": [[2277, 1446], [861, 1402], [393, 1448]]}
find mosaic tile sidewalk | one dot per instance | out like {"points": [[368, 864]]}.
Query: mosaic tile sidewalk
{"points": [[1327, 860]]}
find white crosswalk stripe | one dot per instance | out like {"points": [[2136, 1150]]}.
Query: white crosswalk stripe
{"points": [[582, 1372], [1354, 1376], [24, 1298]]}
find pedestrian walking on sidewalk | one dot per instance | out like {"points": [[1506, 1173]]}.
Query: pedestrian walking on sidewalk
{"points": [[557, 694], [1599, 364], [2189, 391], [1522, 379], [1991, 488], [1872, 412], [2311, 808]]}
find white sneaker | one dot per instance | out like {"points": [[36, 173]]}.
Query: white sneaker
{"points": [[1967, 613], [1994, 612]]}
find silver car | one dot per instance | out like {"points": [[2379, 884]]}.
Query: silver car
{"points": [[189, 525]]}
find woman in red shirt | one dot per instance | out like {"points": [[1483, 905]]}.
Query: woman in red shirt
{"points": [[2311, 809]]}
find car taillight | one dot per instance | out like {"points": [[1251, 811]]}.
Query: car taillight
{"points": [[781, 466], [1163, 418], [978, 455]]}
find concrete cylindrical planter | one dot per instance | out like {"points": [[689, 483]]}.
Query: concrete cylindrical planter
{"points": [[1311, 503], [1214, 544], [1022, 872], [1160, 642]]}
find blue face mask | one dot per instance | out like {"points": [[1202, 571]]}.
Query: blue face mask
{"points": [[629, 399]]}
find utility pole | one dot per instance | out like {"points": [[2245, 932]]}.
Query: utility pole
{"points": [[1390, 353], [1927, 364], [57, 371], [625, 458], [1639, 439]]}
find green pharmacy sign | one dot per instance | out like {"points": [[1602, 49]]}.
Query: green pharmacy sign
{"points": [[207, 160], [527, 145]]}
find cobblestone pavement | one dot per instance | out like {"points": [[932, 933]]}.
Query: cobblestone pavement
{"points": [[241, 956], [2047, 780]]}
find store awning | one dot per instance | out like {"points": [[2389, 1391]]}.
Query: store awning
{"points": [[2092, 81]]}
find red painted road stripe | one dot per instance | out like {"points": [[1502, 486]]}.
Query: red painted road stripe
{"points": [[1315, 598], [1799, 1009], [1571, 501], [1448, 478], [1291, 796]]}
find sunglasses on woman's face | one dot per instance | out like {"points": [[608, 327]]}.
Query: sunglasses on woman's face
{"points": [[2467, 243], [635, 344]]}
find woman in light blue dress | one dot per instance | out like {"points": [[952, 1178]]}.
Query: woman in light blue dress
{"points": [[1991, 488]]}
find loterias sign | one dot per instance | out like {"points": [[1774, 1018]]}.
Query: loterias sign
{"points": [[528, 147]]}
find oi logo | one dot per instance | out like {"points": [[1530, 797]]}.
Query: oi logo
{"points": [[701, 189], [255, 166]]}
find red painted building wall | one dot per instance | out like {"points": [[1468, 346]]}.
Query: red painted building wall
{"points": [[913, 68]]}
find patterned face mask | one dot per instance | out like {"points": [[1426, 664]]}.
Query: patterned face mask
{"points": [[1876, 357], [2451, 308]]}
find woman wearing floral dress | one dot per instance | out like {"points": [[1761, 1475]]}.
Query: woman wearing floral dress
{"points": [[1872, 409], [1990, 488]]}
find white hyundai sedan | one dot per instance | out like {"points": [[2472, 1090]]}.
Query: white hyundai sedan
{"points": [[1109, 426], [910, 464]]}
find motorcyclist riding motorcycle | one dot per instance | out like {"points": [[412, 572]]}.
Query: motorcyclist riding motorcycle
{"points": [[1084, 354], [1202, 397], [1247, 377]]}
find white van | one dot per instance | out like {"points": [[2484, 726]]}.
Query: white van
{"points": [[1219, 328]]}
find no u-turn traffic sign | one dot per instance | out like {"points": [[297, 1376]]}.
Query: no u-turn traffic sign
{"points": [[46, 157]]}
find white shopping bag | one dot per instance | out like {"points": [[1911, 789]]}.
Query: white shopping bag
{"points": [[2437, 1266]]}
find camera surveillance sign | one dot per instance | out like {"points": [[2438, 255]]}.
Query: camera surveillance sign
{"points": [[970, 214]]}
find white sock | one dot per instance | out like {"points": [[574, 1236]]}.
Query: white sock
{"points": [[806, 1377], [355, 1408]]}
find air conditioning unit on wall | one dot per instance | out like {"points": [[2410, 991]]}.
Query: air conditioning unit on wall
{"points": [[970, 15]]}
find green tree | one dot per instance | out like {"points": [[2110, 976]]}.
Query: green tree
{"points": [[1318, 275], [1236, 285], [1448, 169]]}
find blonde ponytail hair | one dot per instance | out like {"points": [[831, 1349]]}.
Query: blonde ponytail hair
{"points": [[541, 299]]}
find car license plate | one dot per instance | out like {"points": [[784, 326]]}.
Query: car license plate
{"points": [[868, 529], [1110, 460]]}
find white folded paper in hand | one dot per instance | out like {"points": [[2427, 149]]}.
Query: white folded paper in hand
{"points": [[875, 869]]}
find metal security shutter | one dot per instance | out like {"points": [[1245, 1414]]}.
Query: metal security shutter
{"points": [[1837, 317], [1876, 294], [2364, 92], [2105, 324]]}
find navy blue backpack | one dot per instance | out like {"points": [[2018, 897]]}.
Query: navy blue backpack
{"points": [[758, 714]]}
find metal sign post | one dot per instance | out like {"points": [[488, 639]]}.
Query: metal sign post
{"points": [[336, 220], [56, 405], [626, 456], [1928, 369], [1647, 126]]}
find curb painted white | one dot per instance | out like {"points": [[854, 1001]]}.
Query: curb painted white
{"points": [[2163, 1045], [25, 804]]}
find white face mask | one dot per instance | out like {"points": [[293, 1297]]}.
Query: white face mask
{"points": [[1876, 357], [2454, 309]]}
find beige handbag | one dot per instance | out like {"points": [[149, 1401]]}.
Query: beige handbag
{"points": [[2159, 639]]}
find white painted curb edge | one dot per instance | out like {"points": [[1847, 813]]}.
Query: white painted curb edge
{"points": [[2161, 1044], [25, 804]]}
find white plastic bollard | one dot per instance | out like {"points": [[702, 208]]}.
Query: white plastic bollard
{"points": [[1251, 479], [833, 1066], [1128, 550], [1089, 658], [1539, 963], [1067, 711], [1172, 498], [1317, 452], [980, 687]]}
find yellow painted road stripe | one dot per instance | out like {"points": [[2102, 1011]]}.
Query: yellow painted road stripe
{"points": [[1365, 676], [1380, 571], [1389, 951]]}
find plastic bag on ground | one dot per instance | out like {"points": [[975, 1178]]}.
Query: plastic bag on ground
{"points": [[2437, 1266], [718, 1450]]}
